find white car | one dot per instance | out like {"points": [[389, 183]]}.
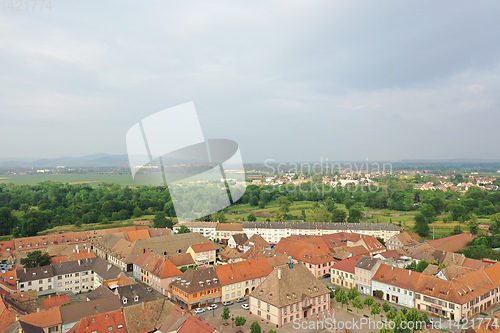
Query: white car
{"points": [[245, 306], [199, 310], [211, 307]]}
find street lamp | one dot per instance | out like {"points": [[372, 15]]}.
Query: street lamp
{"points": [[232, 319]]}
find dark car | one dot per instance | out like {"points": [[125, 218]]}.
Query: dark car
{"points": [[327, 275]]}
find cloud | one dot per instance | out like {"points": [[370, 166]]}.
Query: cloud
{"points": [[289, 80]]}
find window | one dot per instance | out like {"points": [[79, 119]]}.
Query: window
{"points": [[110, 328], [268, 317], [268, 307]]}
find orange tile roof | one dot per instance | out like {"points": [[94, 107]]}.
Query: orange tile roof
{"points": [[452, 243], [134, 235], [165, 269], [81, 255], [243, 271], [6, 246], [203, 247], [7, 317], [157, 265], [312, 252], [101, 323], [55, 301], [399, 277], [43, 319], [9, 277], [373, 244], [58, 259]]}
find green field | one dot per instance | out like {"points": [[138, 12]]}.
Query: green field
{"points": [[123, 179]]}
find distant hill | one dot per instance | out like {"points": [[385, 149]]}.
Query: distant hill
{"points": [[94, 160]]}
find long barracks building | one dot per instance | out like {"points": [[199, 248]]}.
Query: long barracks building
{"points": [[272, 232]]}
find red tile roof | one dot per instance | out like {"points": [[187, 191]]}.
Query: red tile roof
{"points": [[55, 301], [452, 243], [134, 235], [101, 323], [7, 317], [347, 265], [243, 271]]}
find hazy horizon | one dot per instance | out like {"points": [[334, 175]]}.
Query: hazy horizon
{"points": [[286, 80]]}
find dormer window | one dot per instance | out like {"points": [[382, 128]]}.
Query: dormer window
{"points": [[124, 300], [136, 298]]}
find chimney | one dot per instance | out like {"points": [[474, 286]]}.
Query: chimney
{"points": [[409, 272], [79, 262], [109, 266], [279, 273]]}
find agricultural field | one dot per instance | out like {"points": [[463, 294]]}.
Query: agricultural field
{"points": [[122, 179]]}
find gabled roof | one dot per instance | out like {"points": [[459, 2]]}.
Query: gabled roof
{"points": [[174, 320], [398, 277], [405, 239], [285, 286], [347, 265], [243, 271], [101, 323], [70, 267], [181, 259], [193, 281], [7, 317], [366, 263], [134, 235], [453, 243], [229, 227], [395, 254], [203, 247], [157, 265], [146, 317], [229, 253], [35, 273], [43, 319], [105, 270], [99, 292], [240, 239], [305, 251], [193, 324], [76, 311], [257, 240], [136, 294], [357, 250]]}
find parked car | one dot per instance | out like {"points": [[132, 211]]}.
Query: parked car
{"points": [[211, 307], [199, 310], [327, 275], [240, 299], [226, 303], [245, 306]]}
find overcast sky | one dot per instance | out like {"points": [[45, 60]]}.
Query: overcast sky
{"points": [[287, 80]]}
